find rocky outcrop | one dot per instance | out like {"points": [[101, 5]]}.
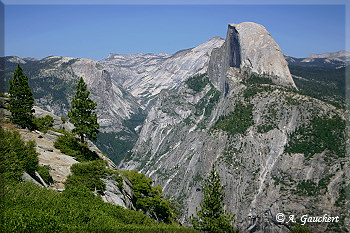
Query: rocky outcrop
{"points": [[58, 123], [251, 48], [59, 164], [121, 196], [4, 113]]}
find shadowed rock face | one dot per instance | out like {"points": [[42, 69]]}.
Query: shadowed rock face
{"points": [[251, 48]]}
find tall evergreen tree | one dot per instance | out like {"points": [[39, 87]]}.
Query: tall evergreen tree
{"points": [[21, 99], [212, 217], [82, 113]]}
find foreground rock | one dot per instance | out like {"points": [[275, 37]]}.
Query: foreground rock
{"points": [[59, 164]]}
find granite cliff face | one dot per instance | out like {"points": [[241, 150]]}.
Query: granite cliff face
{"points": [[276, 150], [251, 48]]}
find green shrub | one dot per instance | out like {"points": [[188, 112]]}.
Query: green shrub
{"points": [[300, 229], [16, 156], [44, 123], [88, 174], [44, 173], [308, 188], [70, 145], [258, 79], [63, 119], [197, 82], [238, 121], [148, 198]]}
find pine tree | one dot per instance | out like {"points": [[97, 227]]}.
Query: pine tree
{"points": [[212, 217], [82, 113], [21, 100]]}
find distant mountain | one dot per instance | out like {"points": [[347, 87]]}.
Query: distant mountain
{"points": [[145, 75], [340, 55], [336, 59]]}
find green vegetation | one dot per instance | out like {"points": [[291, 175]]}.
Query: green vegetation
{"points": [[188, 121], [258, 79], [238, 121], [16, 156], [197, 82], [57, 90], [116, 145], [69, 145], [135, 120], [21, 100], [300, 229], [63, 119], [67, 64], [149, 199], [88, 174], [43, 123], [256, 84], [212, 217], [270, 121], [30, 208], [208, 102], [308, 188], [44, 173], [343, 196], [324, 83], [82, 114], [322, 133]]}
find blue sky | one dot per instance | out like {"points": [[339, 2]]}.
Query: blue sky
{"points": [[94, 31]]}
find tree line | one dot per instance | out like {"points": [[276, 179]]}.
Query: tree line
{"points": [[81, 114]]}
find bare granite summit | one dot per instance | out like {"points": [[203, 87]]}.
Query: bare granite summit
{"points": [[249, 47]]}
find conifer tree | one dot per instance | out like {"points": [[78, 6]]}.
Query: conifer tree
{"points": [[21, 99], [212, 217], [82, 113]]}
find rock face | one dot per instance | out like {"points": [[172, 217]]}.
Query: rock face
{"points": [[250, 130], [251, 48], [4, 113], [58, 122], [145, 75], [119, 196]]}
